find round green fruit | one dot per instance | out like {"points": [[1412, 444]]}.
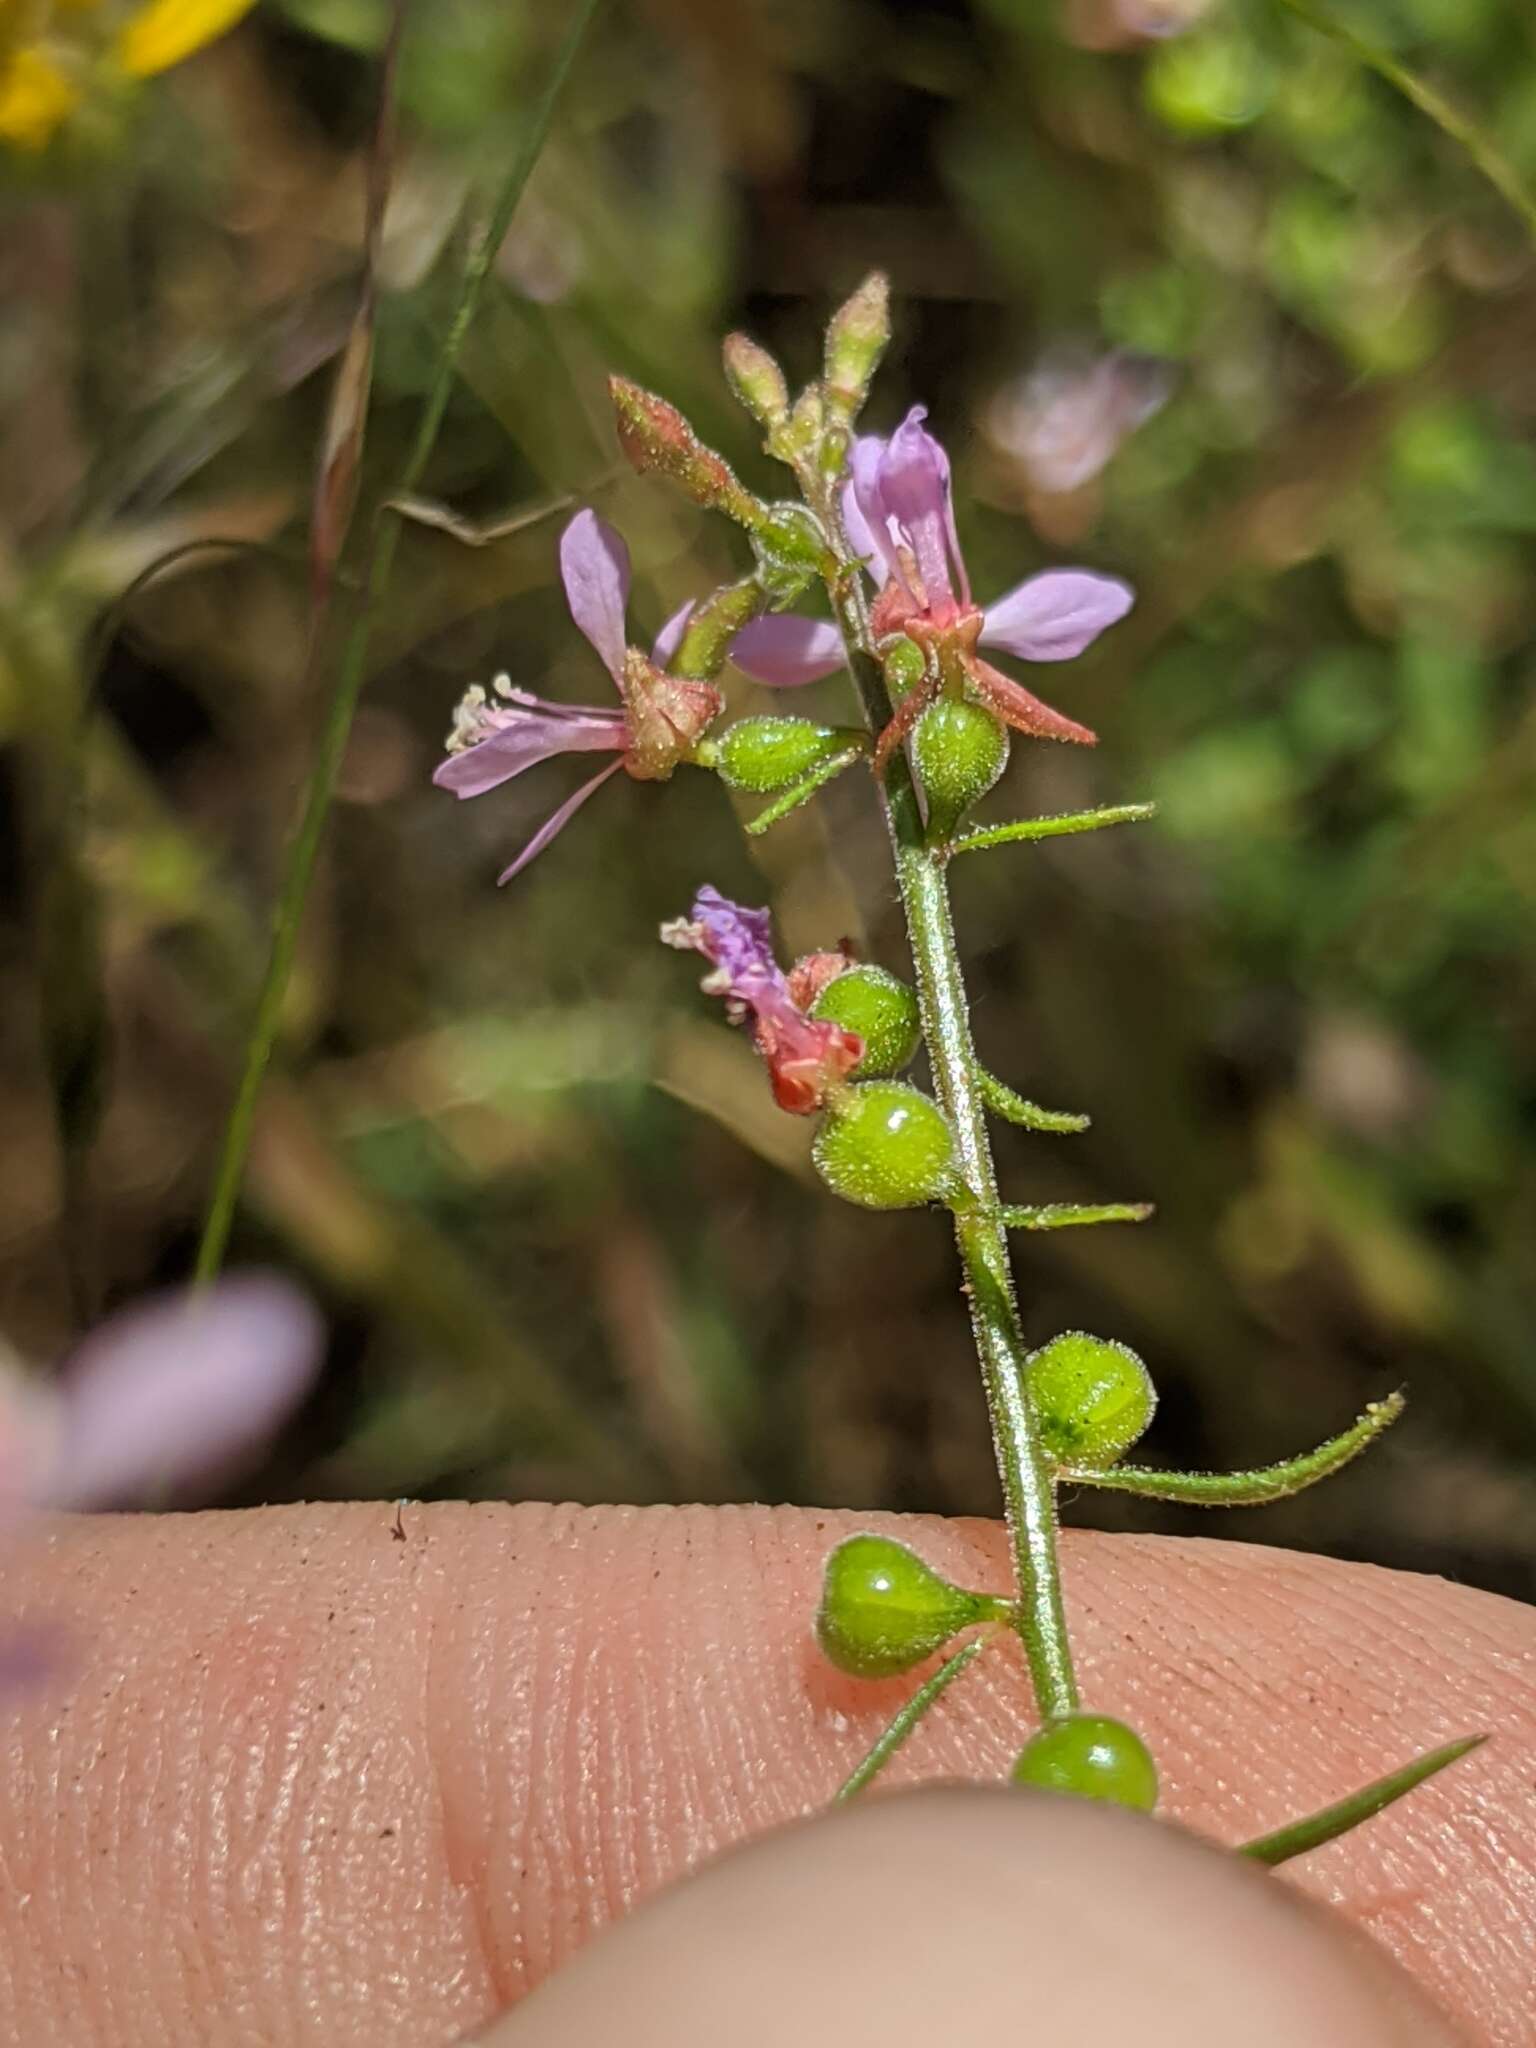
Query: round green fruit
{"points": [[959, 751], [1090, 1756], [883, 1610], [904, 663], [881, 1009], [762, 754], [1092, 1398], [885, 1145]]}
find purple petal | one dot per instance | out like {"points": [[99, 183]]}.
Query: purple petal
{"points": [[914, 487], [174, 1387], [865, 519], [670, 638], [785, 650], [1056, 615], [557, 824], [529, 738], [594, 564]]}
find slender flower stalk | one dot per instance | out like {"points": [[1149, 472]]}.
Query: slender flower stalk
{"points": [[834, 1034]]}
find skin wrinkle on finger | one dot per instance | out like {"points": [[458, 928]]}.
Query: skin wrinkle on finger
{"points": [[962, 1913], [419, 1775]]}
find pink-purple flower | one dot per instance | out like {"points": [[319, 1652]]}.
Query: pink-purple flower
{"points": [[899, 515], [807, 1057], [160, 1393], [657, 722], [167, 1391], [1065, 419]]}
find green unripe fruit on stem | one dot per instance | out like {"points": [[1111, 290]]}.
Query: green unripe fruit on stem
{"points": [[904, 664], [959, 752], [883, 1610], [761, 754], [885, 1145], [881, 1009], [1092, 1398], [1091, 1756]]}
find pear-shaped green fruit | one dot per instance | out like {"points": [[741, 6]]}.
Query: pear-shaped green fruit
{"points": [[885, 1145], [1092, 1756], [881, 1009], [883, 1610], [762, 754], [1092, 1398], [959, 752]]}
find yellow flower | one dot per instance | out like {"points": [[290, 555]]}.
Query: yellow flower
{"points": [[163, 32], [49, 49], [36, 97]]}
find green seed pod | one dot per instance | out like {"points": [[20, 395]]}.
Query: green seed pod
{"points": [[1091, 1756], [1092, 1398], [904, 662], [760, 754], [883, 1610], [881, 1009], [959, 751], [885, 1145]]}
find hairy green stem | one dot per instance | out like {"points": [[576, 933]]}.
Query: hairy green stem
{"points": [[384, 541], [1029, 1493]]}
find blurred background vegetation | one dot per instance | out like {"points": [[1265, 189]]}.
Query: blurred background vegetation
{"points": [[565, 1242]]}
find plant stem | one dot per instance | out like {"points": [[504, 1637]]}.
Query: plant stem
{"points": [[384, 541], [1029, 1493], [896, 1731]]}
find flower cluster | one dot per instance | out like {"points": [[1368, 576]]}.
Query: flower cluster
{"points": [[808, 1058], [898, 512]]}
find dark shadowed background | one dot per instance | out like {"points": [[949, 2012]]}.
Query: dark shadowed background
{"points": [[565, 1242]]}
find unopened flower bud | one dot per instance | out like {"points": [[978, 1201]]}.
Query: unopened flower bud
{"points": [[883, 1610], [885, 1145], [796, 438], [713, 625], [763, 754], [959, 752], [881, 1009], [1091, 1756], [857, 335], [756, 379], [654, 435], [1092, 1398]]}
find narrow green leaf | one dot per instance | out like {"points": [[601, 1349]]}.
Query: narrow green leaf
{"points": [[895, 1733], [1303, 1836], [802, 791], [1051, 828], [1066, 1215], [1260, 1484], [1002, 1101], [1448, 118], [336, 725]]}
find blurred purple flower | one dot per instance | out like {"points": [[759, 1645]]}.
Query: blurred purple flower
{"points": [[898, 510], [656, 723], [1066, 418], [163, 1392], [807, 1057]]}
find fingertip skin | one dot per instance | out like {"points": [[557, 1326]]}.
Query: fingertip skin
{"points": [[979, 1913], [309, 1782]]}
